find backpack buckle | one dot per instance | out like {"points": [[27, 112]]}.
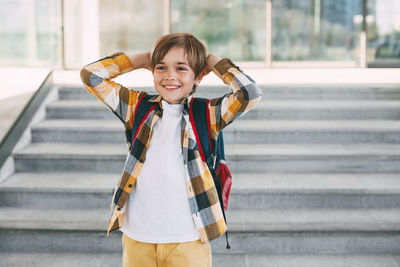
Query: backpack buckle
{"points": [[211, 161], [215, 161]]}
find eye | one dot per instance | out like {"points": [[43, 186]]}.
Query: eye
{"points": [[160, 68], [182, 68]]}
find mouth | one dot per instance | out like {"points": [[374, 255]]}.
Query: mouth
{"points": [[171, 87]]}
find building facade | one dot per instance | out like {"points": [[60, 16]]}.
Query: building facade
{"points": [[262, 33]]}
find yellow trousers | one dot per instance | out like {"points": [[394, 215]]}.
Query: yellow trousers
{"points": [[185, 254]]}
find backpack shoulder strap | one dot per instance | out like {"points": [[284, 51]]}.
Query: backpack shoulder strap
{"points": [[142, 111], [199, 117]]}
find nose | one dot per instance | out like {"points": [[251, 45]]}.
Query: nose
{"points": [[170, 75]]}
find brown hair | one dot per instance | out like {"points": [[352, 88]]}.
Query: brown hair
{"points": [[195, 51]]}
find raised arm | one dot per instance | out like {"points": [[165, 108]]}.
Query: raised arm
{"points": [[244, 95], [97, 79]]}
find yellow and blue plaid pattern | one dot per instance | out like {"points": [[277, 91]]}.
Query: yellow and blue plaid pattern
{"points": [[203, 198]]}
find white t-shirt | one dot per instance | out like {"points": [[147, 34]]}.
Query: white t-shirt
{"points": [[158, 208]]}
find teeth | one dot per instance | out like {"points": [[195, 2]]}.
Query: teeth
{"points": [[171, 87]]}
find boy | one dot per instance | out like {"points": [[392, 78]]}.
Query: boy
{"points": [[166, 203]]}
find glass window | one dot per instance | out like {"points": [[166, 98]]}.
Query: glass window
{"points": [[30, 32], [383, 33], [234, 29], [316, 30], [130, 25]]}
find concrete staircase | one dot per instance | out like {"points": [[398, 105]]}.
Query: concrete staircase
{"points": [[316, 182]]}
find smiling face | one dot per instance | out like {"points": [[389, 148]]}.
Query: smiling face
{"points": [[173, 77]]}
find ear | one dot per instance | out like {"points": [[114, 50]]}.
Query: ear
{"points": [[198, 79]]}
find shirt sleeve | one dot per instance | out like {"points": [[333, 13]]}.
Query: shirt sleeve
{"points": [[97, 79], [245, 94]]}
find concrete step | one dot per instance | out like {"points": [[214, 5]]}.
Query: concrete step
{"points": [[69, 190], [219, 260], [75, 93], [266, 109], [347, 109], [388, 92], [58, 190], [267, 158], [51, 259], [242, 131], [79, 131], [257, 232], [238, 220]]}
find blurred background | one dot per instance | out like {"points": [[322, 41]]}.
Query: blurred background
{"points": [[265, 33]]}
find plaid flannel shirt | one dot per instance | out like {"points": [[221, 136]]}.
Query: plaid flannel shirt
{"points": [[202, 194]]}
